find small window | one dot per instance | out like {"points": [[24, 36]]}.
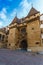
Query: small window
{"points": [[3, 36], [37, 42], [23, 30], [9, 44], [32, 28]]}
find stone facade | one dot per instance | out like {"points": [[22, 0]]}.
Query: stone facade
{"points": [[2, 38], [25, 33]]}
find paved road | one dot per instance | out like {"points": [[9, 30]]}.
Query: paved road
{"points": [[9, 57]]}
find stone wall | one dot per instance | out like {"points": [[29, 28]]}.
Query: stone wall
{"points": [[35, 49], [33, 33]]}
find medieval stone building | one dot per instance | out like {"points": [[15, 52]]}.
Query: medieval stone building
{"points": [[24, 33]]}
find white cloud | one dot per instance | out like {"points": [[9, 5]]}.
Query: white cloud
{"points": [[25, 4], [1, 24], [4, 19], [24, 8], [13, 13], [3, 14], [4, 10], [21, 11]]}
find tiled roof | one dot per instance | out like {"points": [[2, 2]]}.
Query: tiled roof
{"points": [[33, 11], [18, 21], [14, 20]]}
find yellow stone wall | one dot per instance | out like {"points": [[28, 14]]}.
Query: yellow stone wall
{"points": [[33, 33], [36, 49], [12, 38], [2, 43]]}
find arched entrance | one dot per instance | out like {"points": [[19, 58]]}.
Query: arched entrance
{"points": [[23, 44]]}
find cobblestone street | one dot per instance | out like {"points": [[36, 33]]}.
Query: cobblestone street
{"points": [[11, 57]]}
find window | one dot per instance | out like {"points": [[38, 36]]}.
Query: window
{"points": [[3, 36], [32, 28], [9, 44], [23, 30], [37, 42]]}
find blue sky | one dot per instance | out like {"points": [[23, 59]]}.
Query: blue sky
{"points": [[10, 8]]}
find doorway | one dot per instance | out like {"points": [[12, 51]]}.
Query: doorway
{"points": [[23, 44]]}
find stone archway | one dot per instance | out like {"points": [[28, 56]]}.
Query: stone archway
{"points": [[23, 44]]}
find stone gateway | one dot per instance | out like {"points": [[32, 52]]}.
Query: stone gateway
{"points": [[24, 33]]}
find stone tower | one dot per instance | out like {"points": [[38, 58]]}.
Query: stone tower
{"points": [[13, 34], [33, 29]]}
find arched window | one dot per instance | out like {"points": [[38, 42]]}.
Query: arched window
{"points": [[23, 30]]}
